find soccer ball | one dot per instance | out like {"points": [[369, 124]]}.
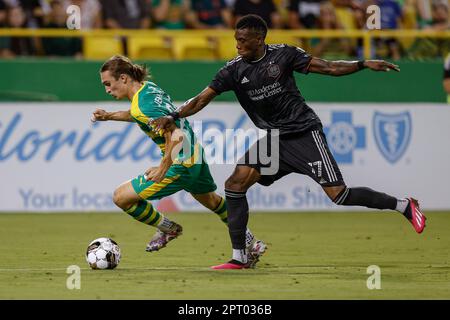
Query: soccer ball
{"points": [[103, 253]]}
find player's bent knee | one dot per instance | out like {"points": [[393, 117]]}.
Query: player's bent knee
{"points": [[242, 179], [120, 200], [234, 184], [214, 201], [117, 198], [210, 200], [338, 194]]}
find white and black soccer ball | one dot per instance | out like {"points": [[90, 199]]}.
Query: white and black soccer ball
{"points": [[103, 253]]}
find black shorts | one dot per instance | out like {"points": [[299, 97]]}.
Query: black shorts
{"points": [[304, 153]]}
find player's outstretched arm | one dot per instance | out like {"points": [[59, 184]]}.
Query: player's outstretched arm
{"points": [[190, 107], [194, 105], [102, 115], [340, 68]]}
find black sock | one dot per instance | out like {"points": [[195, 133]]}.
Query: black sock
{"points": [[237, 206], [366, 197]]}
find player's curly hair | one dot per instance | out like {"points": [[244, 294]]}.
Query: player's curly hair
{"points": [[118, 65], [253, 22]]}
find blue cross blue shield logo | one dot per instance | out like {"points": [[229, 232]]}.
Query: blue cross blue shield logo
{"points": [[344, 137], [392, 134]]}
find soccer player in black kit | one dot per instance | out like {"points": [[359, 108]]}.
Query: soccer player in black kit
{"points": [[263, 82]]}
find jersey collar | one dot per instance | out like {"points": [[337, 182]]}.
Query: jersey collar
{"points": [[136, 95], [265, 52]]}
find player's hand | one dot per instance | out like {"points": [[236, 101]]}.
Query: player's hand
{"points": [[155, 174], [163, 123], [381, 65], [99, 115]]}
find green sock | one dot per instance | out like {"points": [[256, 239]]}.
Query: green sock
{"points": [[221, 211], [144, 212]]}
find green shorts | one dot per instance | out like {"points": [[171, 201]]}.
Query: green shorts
{"points": [[196, 179]]}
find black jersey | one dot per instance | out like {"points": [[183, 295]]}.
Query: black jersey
{"points": [[266, 88]]}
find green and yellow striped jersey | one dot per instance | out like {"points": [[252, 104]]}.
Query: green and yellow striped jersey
{"points": [[151, 102]]}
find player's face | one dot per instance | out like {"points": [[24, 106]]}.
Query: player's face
{"points": [[116, 88], [247, 43]]}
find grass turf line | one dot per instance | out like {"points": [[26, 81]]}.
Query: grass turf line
{"points": [[310, 256]]}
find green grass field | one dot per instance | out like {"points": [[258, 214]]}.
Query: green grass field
{"points": [[310, 256]]}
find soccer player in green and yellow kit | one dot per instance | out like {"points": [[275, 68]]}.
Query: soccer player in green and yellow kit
{"points": [[182, 166]]}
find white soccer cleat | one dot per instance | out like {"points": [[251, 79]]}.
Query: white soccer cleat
{"points": [[160, 238], [255, 251]]}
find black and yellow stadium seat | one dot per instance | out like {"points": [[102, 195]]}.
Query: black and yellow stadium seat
{"points": [[194, 47], [274, 37], [154, 47], [409, 21], [346, 17], [226, 46], [101, 47]]}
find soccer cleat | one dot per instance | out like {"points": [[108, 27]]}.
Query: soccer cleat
{"points": [[256, 250], [415, 215], [230, 265], [161, 238]]}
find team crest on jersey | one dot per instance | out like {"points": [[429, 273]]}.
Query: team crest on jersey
{"points": [[392, 134], [273, 70]]}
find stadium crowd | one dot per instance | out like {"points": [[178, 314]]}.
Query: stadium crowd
{"points": [[222, 14]]}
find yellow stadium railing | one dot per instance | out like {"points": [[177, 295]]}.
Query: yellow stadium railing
{"points": [[215, 44]]}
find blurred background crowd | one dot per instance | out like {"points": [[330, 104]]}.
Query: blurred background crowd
{"points": [[222, 14]]}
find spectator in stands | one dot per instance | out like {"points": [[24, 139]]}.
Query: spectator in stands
{"points": [[16, 46], [207, 14], [440, 22], [35, 11], [446, 81], [126, 14], [330, 48], [170, 14], [391, 16], [391, 13], [4, 43], [409, 13], [60, 46], [353, 4], [439, 16], [264, 8], [91, 12], [429, 11], [2, 13], [433, 47], [423, 12], [351, 13], [304, 14], [230, 3]]}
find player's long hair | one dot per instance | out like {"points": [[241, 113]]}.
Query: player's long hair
{"points": [[118, 65], [253, 22]]}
